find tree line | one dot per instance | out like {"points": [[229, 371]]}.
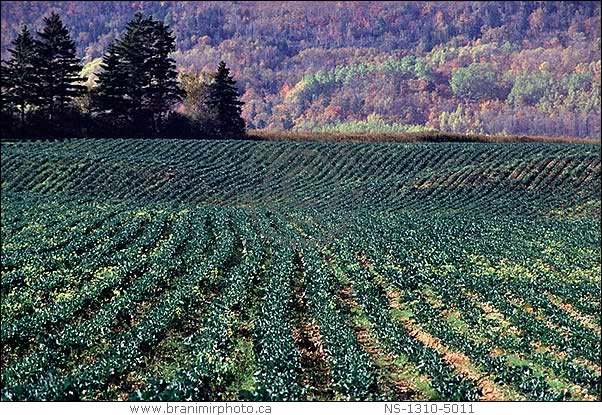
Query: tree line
{"points": [[492, 67], [134, 95]]}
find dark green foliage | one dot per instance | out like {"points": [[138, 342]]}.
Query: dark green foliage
{"points": [[20, 77], [133, 53], [476, 82], [58, 68], [163, 89], [112, 85], [171, 270], [224, 103], [529, 88], [138, 78], [134, 95], [40, 83]]}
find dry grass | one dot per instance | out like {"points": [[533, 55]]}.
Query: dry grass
{"points": [[272, 135]]}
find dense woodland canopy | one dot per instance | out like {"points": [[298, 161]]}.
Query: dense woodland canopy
{"points": [[482, 67]]}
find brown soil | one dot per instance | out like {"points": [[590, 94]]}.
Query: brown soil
{"points": [[563, 355], [315, 374], [390, 382], [574, 313], [461, 363]]}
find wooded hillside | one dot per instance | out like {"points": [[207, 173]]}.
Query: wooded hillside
{"points": [[466, 67]]}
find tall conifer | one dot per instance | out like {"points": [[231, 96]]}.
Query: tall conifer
{"points": [[139, 79], [58, 68], [224, 102], [112, 84], [163, 89], [20, 80]]}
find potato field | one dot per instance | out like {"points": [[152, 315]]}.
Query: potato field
{"points": [[242, 270]]}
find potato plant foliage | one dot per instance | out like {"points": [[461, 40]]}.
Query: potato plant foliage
{"points": [[240, 270]]}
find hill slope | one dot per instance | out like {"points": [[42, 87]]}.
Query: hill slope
{"points": [[526, 67], [515, 178]]}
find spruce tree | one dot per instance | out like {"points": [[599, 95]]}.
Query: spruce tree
{"points": [[20, 81], [163, 89], [134, 52], [225, 104], [6, 112], [112, 84], [139, 78], [58, 68]]}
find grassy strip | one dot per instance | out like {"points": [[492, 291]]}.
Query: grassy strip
{"points": [[436, 136]]}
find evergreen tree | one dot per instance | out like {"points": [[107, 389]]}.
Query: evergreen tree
{"points": [[58, 68], [224, 102], [112, 84], [20, 81], [134, 52], [163, 89], [6, 115], [139, 78]]}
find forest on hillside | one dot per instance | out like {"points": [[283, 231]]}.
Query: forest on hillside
{"points": [[528, 67]]}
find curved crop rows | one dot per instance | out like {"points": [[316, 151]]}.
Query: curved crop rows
{"points": [[230, 270]]}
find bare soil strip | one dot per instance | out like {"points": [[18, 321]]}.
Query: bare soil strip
{"points": [[391, 381], [315, 376], [492, 312], [586, 321], [461, 363]]}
